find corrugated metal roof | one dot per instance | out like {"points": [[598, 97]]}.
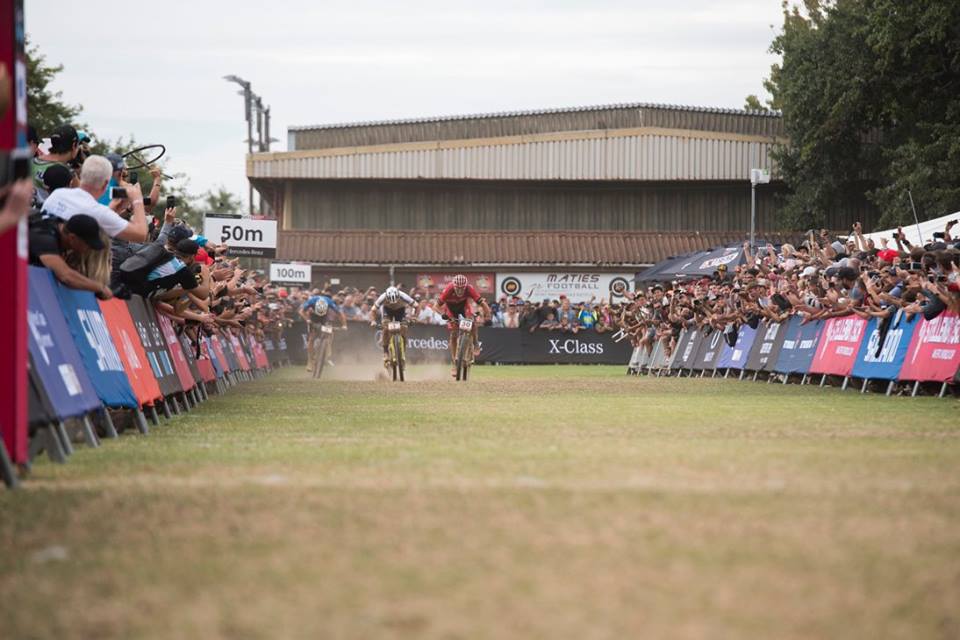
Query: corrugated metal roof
{"points": [[508, 123], [538, 112], [496, 248]]}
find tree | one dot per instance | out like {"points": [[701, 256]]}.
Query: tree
{"points": [[46, 107], [870, 96], [220, 201], [752, 103]]}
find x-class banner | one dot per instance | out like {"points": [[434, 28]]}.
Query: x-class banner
{"points": [[483, 282], [245, 236], [578, 286]]}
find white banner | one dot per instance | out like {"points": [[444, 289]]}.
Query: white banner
{"points": [[245, 236], [578, 286], [291, 272]]}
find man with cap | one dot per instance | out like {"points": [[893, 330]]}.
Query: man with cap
{"points": [[174, 276], [64, 147], [51, 240]]}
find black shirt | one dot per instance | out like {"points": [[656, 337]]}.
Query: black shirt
{"points": [[44, 238]]}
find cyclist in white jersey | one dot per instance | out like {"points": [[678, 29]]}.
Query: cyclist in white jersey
{"points": [[391, 305]]}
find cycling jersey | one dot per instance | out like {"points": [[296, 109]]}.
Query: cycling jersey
{"points": [[402, 301], [450, 298], [312, 302]]}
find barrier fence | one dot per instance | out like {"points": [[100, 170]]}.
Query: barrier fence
{"points": [[89, 356], [430, 343], [891, 350]]}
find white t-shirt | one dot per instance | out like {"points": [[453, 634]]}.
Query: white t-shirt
{"points": [[66, 203]]}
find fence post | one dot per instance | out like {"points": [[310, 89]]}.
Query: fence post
{"points": [[108, 427], [6, 468]]}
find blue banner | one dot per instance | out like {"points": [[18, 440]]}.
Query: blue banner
{"points": [[735, 357], [799, 346], [212, 354], [881, 359], [55, 357], [96, 348]]}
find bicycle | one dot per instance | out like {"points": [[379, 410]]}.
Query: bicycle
{"points": [[321, 347], [396, 348], [464, 350]]}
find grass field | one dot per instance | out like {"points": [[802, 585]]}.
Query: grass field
{"points": [[561, 502]]}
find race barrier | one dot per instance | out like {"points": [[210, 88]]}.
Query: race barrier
{"points": [[91, 358], [430, 344], [900, 348]]}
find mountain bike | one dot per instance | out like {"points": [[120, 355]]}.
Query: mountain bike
{"points": [[321, 348], [464, 350], [396, 348]]}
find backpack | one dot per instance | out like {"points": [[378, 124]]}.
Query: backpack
{"points": [[135, 269]]}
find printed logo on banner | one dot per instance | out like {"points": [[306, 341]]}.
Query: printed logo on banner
{"points": [[510, 286], [99, 339], [572, 346], [577, 286], [70, 381], [934, 352], [38, 327]]}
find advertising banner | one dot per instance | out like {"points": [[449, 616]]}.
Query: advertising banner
{"points": [[154, 345], [131, 352], [687, 347], [766, 346], [95, 346], [883, 353], [56, 360], [735, 357], [239, 352], [39, 409], [209, 347], [176, 352], [189, 352], [799, 346], [226, 353], [934, 352], [838, 346], [709, 351], [578, 286], [291, 273], [586, 347], [245, 236], [484, 283]]}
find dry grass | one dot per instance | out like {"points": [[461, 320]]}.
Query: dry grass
{"points": [[562, 502]]}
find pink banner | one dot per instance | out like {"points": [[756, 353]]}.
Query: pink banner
{"points": [[839, 344], [176, 352], [238, 352], [934, 352]]}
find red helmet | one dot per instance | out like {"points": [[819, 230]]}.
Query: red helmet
{"points": [[459, 281]]}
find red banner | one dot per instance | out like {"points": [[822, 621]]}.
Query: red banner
{"points": [[484, 283], [839, 344], [219, 354], [132, 354], [239, 353], [934, 352], [176, 352]]}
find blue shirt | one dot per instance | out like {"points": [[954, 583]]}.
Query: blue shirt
{"points": [[105, 198], [312, 302]]}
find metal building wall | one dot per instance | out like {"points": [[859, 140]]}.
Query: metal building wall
{"points": [[525, 206], [630, 154], [531, 122]]}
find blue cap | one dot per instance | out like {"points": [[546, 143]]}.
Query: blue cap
{"points": [[201, 241]]}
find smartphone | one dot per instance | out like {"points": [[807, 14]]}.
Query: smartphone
{"points": [[171, 202], [147, 201], [21, 167], [938, 235], [118, 193], [896, 236], [132, 177]]}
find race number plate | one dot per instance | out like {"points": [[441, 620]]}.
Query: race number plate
{"points": [[326, 329], [466, 324], [393, 326]]}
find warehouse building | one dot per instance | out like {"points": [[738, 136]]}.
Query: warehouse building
{"points": [[609, 188]]}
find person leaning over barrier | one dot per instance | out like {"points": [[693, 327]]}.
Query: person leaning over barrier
{"points": [[94, 177], [54, 241]]}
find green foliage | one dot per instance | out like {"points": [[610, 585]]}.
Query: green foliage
{"points": [[220, 201], [752, 103], [46, 107], [870, 95]]}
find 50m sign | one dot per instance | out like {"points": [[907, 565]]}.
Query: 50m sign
{"points": [[245, 236]]}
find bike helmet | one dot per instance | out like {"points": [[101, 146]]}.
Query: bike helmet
{"points": [[320, 308], [460, 282], [393, 295]]}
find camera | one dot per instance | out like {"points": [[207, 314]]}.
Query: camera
{"points": [[118, 193], [171, 202]]}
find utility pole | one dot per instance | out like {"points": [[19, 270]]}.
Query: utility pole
{"points": [[248, 115], [757, 176]]}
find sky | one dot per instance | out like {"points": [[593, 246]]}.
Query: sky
{"points": [[154, 70]]}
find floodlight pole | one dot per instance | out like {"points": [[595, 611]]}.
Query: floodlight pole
{"points": [[753, 213], [247, 112]]}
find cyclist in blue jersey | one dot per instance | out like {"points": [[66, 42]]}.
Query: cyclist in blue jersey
{"points": [[318, 311]]}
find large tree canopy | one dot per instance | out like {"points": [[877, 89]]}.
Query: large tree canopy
{"points": [[870, 96]]}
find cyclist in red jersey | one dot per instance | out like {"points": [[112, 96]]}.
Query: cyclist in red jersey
{"points": [[455, 301]]}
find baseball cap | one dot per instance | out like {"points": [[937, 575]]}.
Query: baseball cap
{"points": [[809, 272], [187, 247], [63, 138], [116, 160], [56, 176], [179, 233], [87, 229], [201, 240]]}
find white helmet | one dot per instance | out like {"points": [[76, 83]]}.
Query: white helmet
{"points": [[393, 295], [320, 308]]}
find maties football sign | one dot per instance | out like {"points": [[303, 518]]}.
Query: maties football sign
{"points": [[577, 286]]}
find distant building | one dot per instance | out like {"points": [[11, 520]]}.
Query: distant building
{"points": [[609, 188]]}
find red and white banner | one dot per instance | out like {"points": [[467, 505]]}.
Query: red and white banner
{"points": [[934, 352], [838, 347], [484, 283]]}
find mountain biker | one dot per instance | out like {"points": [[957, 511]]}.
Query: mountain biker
{"points": [[455, 301], [316, 312], [391, 305]]}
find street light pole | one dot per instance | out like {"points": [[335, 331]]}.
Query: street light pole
{"points": [[247, 112], [757, 176]]}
